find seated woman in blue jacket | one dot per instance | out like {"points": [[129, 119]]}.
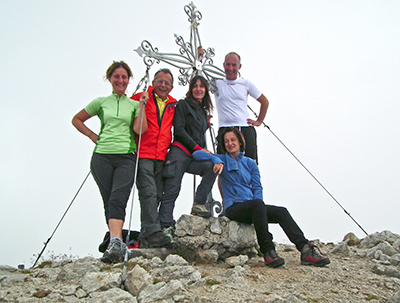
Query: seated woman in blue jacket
{"points": [[243, 202]]}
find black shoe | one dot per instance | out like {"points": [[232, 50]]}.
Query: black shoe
{"points": [[157, 239], [272, 259], [115, 252], [312, 257]]}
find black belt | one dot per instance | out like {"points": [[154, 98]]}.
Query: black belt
{"points": [[239, 127]]}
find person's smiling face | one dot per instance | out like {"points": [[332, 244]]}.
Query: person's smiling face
{"points": [[162, 85], [119, 81], [232, 66], [232, 144], [198, 91]]}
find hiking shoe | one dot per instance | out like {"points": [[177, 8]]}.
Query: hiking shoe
{"points": [[310, 256], [115, 252], [200, 210], [272, 259], [169, 232], [157, 239]]}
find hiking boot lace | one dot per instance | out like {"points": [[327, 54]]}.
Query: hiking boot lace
{"points": [[313, 251]]}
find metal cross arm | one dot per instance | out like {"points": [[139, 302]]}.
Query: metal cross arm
{"points": [[188, 61]]}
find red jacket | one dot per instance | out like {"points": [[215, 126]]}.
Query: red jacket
{"points": [[156, 140]]}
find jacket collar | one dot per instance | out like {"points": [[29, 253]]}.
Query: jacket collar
{"points": [[231, 163]]}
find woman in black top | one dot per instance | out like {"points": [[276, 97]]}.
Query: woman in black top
{"points": [[190, 125]]}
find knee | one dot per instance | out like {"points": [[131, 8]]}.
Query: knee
{"points": [[259, 206], [283, 212]]}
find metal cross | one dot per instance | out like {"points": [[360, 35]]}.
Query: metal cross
{"points": [[188, 61]]}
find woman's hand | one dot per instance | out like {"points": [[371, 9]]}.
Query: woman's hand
{"points": [[93, 137], [209, 119], [144, 97], [217, 169]]}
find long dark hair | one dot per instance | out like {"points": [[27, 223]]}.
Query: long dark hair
{"points": [[238, 135], [206, 103]]}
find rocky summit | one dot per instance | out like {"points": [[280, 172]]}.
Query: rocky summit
{"points": [[216, 260]]}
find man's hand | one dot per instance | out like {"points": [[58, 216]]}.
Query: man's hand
{"points": [[253, 122], [200, 52], [144, 97]]}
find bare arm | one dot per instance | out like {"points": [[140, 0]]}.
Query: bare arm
{"points": [[263, 111], [142, 112], [78, 121]]}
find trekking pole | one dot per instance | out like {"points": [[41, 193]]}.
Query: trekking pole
{"points": [[213, 140], [123, 279], [346, 212], [69, 206]]}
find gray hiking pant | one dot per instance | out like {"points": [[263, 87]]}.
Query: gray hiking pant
{"points": [[114, 176], [150, 186], [176, 164]]}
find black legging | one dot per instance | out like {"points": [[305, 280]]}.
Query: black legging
{"points": [[256, 212]]}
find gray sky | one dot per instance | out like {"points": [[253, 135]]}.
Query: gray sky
{"points": [[330, 70]]}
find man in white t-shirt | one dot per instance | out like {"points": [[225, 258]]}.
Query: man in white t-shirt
{"points": [[231, 103]]}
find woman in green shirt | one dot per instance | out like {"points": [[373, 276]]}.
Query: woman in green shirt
{"points": [[113, 160]]}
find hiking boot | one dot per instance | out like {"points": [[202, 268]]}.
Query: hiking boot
{"points": [[169, 232], [200, 210], [272, 259], [310, 256], [115, 252], [157, 239]]}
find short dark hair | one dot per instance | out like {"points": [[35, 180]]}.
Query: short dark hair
{"points": [[165, 71], [238, 135], [118, 64]]}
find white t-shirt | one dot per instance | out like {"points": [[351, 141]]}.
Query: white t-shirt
{"points": [[231, 101]]}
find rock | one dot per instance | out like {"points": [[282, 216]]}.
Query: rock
{"points": [[374, 239], [161, 291], [341, 248], [395, 298], [112, 295], [226, 237], [208, 256], [229, 275], [384, 247], [191, 226], [353, 239], [80, 268], [395, 259], [174, 260], [237, 260], [137, 279], [41, 293], [100, 281]]}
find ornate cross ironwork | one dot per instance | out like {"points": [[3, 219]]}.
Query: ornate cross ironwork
{"points": [[188, 61]]}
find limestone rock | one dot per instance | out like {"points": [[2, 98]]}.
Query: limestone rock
{"points": [[353, 239], [96, 281], [161, 291], [363, 273], [237, 260], [137, 279]]}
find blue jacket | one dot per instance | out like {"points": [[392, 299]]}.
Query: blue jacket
{"points": [[240, 178]]}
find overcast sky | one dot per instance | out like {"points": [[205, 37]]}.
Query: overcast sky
{"points": [[330, 70]]}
